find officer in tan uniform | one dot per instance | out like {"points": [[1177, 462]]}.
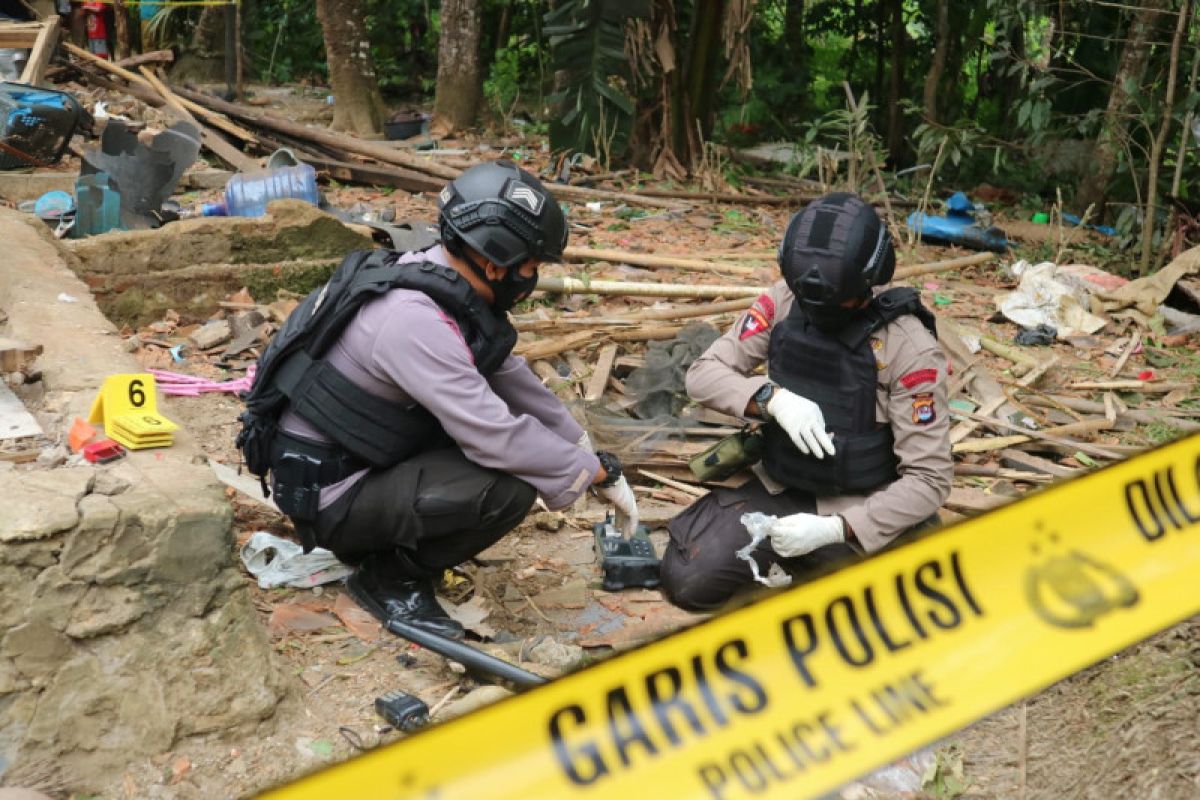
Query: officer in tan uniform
{"points": [[856, 434]]}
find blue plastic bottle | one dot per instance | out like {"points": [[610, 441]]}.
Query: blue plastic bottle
{"points": [[248, 195]]}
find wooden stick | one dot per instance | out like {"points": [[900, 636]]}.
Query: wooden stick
{"points": [[168, 97], [941, 266], [687, 488], [652, 261], [599, 379], [1134, 341], [552, 347], [576, 286]]}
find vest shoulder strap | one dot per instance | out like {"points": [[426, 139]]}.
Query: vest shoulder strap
{"points": [[885, 308]]}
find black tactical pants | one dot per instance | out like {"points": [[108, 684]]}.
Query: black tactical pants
{"points": [[700, 568], [433, 511]]}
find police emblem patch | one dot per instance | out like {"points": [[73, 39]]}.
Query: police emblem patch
{"points": [[758, 317], [923, 410]]}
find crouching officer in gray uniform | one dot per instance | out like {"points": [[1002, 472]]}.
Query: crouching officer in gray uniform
{"points": [[431, 439], [856, 448]]}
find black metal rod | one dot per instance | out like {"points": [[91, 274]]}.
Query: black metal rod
{"points": [[466, 655]]}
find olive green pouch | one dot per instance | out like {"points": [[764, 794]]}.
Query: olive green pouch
{"points": [[728, 456]]}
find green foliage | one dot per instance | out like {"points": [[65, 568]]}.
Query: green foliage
{"points": [[594, 108]]}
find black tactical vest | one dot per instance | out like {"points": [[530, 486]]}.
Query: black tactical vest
{"points": [[374, 430], [838, 372]]}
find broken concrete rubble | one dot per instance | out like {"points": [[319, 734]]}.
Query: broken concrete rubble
{"points": [[125, 625], [191, 264]]}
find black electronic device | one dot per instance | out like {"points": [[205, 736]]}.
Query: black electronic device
{"points": [[627, 563], [402, 711]]}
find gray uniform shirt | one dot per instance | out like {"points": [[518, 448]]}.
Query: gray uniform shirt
{"points": [[403, 347], [910, 397]]}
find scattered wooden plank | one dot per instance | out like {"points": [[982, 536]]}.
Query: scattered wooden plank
{"points": [[553, 346], [1131, 386], [15, 421], [246, 484], [20, 35], [1028, 461], [599, 379], [15, 355], [39, 57], [975, 500]]}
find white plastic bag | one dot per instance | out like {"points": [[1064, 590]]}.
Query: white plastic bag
{"points": [[280, 562], [759, 527]]}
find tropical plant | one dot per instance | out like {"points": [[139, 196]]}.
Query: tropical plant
{"points": [[594, 110]]}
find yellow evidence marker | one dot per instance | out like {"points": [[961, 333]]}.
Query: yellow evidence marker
{"points": [[127, 407]]}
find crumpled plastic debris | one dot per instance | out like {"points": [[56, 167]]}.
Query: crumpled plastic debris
{"points": [[1042, 298], [280, 562], [1042, 334], [759, 527]]}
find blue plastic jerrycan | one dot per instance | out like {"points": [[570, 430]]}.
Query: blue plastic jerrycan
{"points": [[97, 206]]}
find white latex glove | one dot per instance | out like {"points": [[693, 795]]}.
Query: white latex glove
{"points": [[803, 421], [585, 442], [799, 534], [621, 496]]}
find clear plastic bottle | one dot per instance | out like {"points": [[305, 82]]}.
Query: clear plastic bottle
{"points": [[248, 195]]}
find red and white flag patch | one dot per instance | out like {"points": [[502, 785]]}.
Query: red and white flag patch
{"points": [[918, 377], [758, 317]]}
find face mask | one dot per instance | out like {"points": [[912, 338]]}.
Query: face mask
{"points": [[830, 319], [512, 290]]}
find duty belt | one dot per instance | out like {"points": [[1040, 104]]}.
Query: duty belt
{"points": [[336, 463]]}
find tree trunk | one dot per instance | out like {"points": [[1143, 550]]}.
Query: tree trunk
{"points": [[933, 78], [121, 23], [458, 75], [1156, 149], [358, 105], [700, 80], [896, 86], [1093, 188]]}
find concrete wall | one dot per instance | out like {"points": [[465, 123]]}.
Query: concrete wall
{"points": [[124, 623]]}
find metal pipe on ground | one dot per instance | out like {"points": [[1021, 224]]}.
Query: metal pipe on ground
{"points": [[469, 657]]}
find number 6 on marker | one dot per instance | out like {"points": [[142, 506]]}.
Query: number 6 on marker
{"points": [[121, 394]]}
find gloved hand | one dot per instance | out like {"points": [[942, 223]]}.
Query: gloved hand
{"points": [[803, 421], [799, 534], [621, 496]]}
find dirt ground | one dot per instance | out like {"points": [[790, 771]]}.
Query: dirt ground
{"points": [[1129, 727]]}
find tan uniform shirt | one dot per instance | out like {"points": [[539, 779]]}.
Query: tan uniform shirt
{"points": [[910, 396]]}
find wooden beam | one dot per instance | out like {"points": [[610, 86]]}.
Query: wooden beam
{"points": [[599, 379], [20, 35], [39, 58], [375, 174]]}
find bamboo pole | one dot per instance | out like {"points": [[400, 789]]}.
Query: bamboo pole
{"points": [[652, 261], [942, 266], [576, 286]]}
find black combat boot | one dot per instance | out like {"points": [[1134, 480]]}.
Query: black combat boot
{"points": [[383, 590]]}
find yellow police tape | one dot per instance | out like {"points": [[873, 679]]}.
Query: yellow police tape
{"points": [[802, 692]]}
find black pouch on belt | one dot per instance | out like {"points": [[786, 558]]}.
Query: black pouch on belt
{"points": [[297, 485]]}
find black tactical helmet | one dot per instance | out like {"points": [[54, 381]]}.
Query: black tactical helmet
{"points": [[834, 250], [503, 213]]}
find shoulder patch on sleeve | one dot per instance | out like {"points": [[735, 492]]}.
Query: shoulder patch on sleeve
{"points": [[923, 409], [758, 317], [917, 377]]}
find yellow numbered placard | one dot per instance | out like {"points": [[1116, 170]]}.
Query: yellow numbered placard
{"points": [[127, 407], [123, 393]]}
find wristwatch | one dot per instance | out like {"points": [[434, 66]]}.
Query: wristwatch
{"points": [[612, 468], [763, 396]]}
